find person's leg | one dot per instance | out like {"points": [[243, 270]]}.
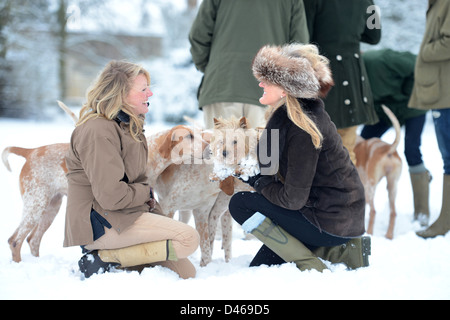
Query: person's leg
{"points": [[183, 267], [441, 226], [419, 175], [223, 110], [374, 131], [282, 243], [244, 204], [413, 140], [150, 228], [441, 120], [352, 252], [151, 239], [256, 115], [348, 136], [265, 256]]}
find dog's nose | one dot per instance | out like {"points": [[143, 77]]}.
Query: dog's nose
{"points": [[224, 153]]}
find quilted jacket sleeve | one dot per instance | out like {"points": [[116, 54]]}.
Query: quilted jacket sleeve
{"points": [[293, 194]]}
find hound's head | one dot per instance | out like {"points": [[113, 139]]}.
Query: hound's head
{"points": [[181, 144]]}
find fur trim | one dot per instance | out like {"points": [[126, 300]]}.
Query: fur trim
{"points": [[297, 68]]}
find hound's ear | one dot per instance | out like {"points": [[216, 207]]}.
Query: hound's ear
{"points": [[206, 136], [165, 144], [218, 123], [243, 123], [227, 185]]}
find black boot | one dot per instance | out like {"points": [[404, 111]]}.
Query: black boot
{"points": [[91, 264]]}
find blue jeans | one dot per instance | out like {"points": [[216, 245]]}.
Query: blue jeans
{"points": [[441, 118], [413, 131]]}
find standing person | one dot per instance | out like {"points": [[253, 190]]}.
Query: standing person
{"points": [[391, 77], [431, 92], [110, 206], [224, 39], [338, 27], [313, 205]]}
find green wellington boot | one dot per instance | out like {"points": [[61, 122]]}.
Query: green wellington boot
{"points": [[354, 254], [282, 243], [420, 186], [442, 225]]}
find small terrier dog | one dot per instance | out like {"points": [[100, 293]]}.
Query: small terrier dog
{"points": [[234, 149]]}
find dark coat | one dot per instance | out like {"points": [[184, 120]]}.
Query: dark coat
{"points": [[391, 77], [227, 34], [338, 27], [322, 183]]}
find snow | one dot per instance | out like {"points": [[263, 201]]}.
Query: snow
{"points": [[248, 167], [408, 267]]}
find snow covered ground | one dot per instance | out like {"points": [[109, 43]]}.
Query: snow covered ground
{"points": [[407, 267]]}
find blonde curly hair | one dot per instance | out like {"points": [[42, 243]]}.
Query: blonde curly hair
{"points": [[107, 96]]}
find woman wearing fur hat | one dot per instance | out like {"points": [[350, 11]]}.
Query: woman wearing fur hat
{"points": [[312, 205]]}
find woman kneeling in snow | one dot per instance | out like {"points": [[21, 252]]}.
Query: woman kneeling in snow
{"points": [[111, 211], [312, 205]]}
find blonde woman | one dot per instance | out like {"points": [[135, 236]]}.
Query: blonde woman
{"points": [[110, 206], [314, 204]]}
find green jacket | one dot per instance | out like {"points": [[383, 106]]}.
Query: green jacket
{"points": [[391, 77], [432, 73], [227, 34], [338, 27]]}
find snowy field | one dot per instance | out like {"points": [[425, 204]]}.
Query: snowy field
{"points": [[407, 267]]}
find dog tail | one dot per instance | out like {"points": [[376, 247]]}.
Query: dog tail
{"points": [[68, 111], [16, 150], [193, 122], [397, 128]]}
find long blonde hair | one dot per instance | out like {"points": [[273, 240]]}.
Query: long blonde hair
{"points": [[303, 121], [106, 97], [322, 72], [299, 117]]}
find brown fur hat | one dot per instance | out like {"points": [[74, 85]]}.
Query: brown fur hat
{"points": [[297, 68]]}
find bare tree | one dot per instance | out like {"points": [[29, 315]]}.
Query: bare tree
{"points": [[62, 40], [5, 17], [24, 53]]}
